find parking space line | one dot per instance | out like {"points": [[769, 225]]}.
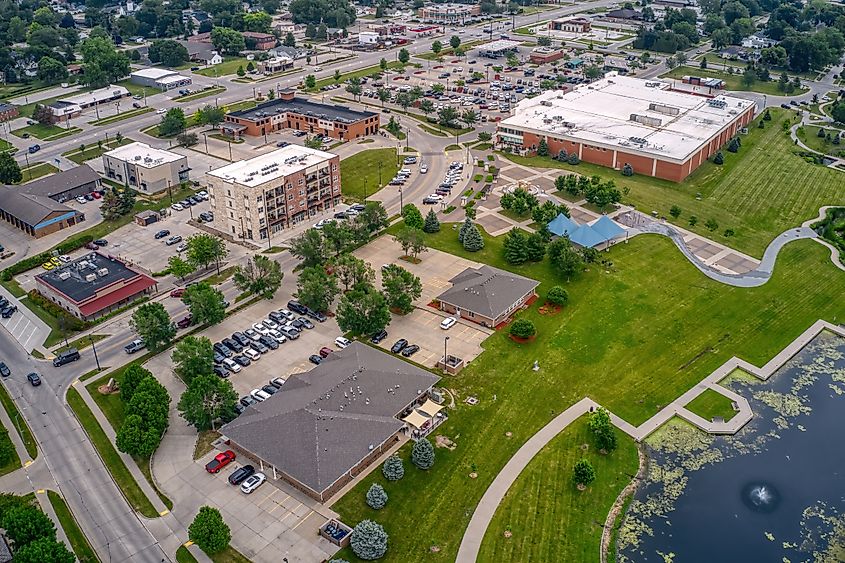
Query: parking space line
{"points": [[303, 519]]}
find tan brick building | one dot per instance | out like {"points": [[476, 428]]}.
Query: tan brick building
{"points": [[273, 191], [144, 168]]}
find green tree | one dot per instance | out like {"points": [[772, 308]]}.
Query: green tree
{"points": [[383, 64], [193, 356], [602, 430], [542, 148], [322, 32], [172, 123], [472, 239], [411, 240], [363, 311], [536, 246], [150, 401], [205, 303], [368, 540], [432, 224], [393, 469], [401, 288], [151, 321], [412, 217], [373, 217], [209, 531], [168, 52], [515, 247], [455, 42], [436, 47], [583, 473], [675, 211], [207, 399], [241, 72], [10, 171], [376, 497], [44, 549], [522, 328], [352, 272], [227, 41], [290, 40], [719, 158], [354, 87], [135, 437], [204, 249], [132, 377], [257, 21], [338, 236], [316, 289], [404, 56], [25, 524], [210, 115], [260, 276], [693, 220], [447, 116], [51, 71], [310, 247], [311, 30], [422, 454], [564, 257], [179, 267], [711, 224]]}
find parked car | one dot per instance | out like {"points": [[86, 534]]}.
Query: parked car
{"points": [[218, 358], [184, 322], [66, 357], [270, 389], [277, 382], [101, 242], [277, 317], [33, 379], [135, 346], [399, 346], [305, 322], [182, 247], [242, 360], [231, 365], [409, 351], [241, 338], [378, 337], [325, 351], [223, 350], [270, 324], [252, 482], [252, 354], [259, 395], [269, 342], [162, 233], [259, 347], [34, 148], [295, 306], [234, 345], [4, 370], [220, 371], [448, 323], [342, 342], [175, 239], [248, 401], [8, 311], [289, 332], [315, 359], [220, 461], [241, 473], [178, 292], [316, 315]]}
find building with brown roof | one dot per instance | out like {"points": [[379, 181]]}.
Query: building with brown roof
{"points": [[487, 295]]}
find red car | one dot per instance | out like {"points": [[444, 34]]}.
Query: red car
{"points": [[178, 292], [324, 352], [220, 461], [185, 323], [96, 195]]}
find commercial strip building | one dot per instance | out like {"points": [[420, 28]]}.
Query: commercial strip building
{"points": [[72, 106], [326, 426], [37, 208], [289, 112], [571, 25], [93, 285], [487, 295], [543, 55], [449, 14], [145, 168], [498, 48], [273, 191], [160, 78], [620, 120]]}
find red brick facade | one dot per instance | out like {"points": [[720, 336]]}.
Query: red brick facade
{"points": [[642, 164]]}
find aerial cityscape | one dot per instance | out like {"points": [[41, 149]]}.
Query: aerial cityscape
{"points": [[332, 281]]}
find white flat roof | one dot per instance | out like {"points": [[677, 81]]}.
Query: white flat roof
{"points": [[142, 154], [668, 124], [173, 78], [95, 96], [271, 166], [153, 73], [499, 45]]}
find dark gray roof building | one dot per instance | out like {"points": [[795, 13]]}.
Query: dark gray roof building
{"points": [[326, 424], [487, 295], [301, 106], [64, 185]]}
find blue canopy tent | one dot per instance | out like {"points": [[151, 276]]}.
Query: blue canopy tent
{"points": [[607, 228], [562, 225], [587, 237]]}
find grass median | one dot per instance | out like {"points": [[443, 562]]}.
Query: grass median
{"points": [[78, 542], [21, 427], [119, 472], [363, 172]]}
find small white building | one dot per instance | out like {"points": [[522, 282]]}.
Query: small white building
{"points": [[368, 38], [144, 168], [160, 78]]}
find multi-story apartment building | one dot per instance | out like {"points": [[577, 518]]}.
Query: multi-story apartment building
{"points": [[252, 199]]}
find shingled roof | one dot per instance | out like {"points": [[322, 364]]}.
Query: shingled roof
{"points": [[323, 422], [487, 291]]}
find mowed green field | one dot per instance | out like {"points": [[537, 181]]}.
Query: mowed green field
{"points": [[759, 192], [633, 338], [360, 173], [548, 517]]}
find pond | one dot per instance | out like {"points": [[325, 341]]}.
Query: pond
{"points": [[774, 492]]}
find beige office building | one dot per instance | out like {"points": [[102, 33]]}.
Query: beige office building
{"points": [[273, 191], [144, 168]]}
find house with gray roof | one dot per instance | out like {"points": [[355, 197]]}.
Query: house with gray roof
{"points": [[325, 426], [487, 295]]}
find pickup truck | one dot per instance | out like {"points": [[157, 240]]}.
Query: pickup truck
{"points": [[134, 346]]}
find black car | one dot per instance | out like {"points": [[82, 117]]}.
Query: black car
{"points": [[4, 370], [220, 371], [270, 389], [241, 339], [101, 242], [316, 315], [223, 350], [233, 345], [66, 357], [8, 311], [248, 400], [218, 357], [162, 233], [269, 342], [282, 144], [298, 307], [410, 350], [315, 359], [33, 379], [239, 409], [239, 475], [306, 323], [3, 301], [399, 346], [242, 361], [259, 347], [298, 324], [340, 215], [378, 337]]}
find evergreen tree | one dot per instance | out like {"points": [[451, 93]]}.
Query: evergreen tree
{"points": [[573, 159], [472, 239], [463, 230], [393, 468], [422, 454], [515, 247], [376, 497], [543, 148], [627, 170], [432, 225], [536, 247], [369, 540]]}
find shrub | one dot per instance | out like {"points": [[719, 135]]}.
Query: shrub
{"points": [[523, 328], [209, 531], [675, 211], [376, 497], [68, 321], [693, 221], [422, 454], [719, 158], [573, 159], [627, 170], [733, 145], [369, 540], [557, 296], [393, 468]]}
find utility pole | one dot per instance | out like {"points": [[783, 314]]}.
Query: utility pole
{"points": [[94, 348]]}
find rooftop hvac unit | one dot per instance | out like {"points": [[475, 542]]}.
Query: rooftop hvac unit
{"points": [[637, 140], [546, 103], [664, 109], [714, 103], [102, 272], [646, 120], [82, 264], [90, 277], [64, 275]]}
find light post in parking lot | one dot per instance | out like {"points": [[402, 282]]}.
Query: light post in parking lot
{"points": [[445, 355], [205, 136], [401, 202], [94, 348], [170, 191]]}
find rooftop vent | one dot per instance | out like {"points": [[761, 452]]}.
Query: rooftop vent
{"points": [[64, 275], [102, 272], [90, 277]]}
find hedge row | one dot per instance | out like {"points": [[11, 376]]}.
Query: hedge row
{"points": [[70, 322], [31, 262]]}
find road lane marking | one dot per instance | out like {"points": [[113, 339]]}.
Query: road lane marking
{"points": [[164, 512]]}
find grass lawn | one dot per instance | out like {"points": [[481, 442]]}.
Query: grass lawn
{"points": [[360, 73], [78, 542], [228, 555], [511, 215], [14, 459], [632, 339], [200, 94], [238, 106], [45, 132], [809, 136], [205, 439], [37, 170], [432, 130], [228, 66], [137, 89], [6, 146], [121, 475], [94, 151], [710, 404], [759, 192], [448, 51], [360, 172], [184, 556], [82, 343], [129, 114], [225, 274], [550, 519], [732, 81]]}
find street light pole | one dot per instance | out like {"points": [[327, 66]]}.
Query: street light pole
{"points": [[94, 348], [445, 354]]}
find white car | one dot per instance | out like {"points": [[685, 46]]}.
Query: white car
{"points": [[182, 247], [251, 334], [252, 482], [435, 197], [177, 207], [321, 223], [287, 314], [342, 342], [232, 365], [269, 324], [64, 258], [260, 395], [252, 354], [202, 194], [81, 199], [448, 323], [318, 68], [423, 168], [277, 335], [160, 111]]}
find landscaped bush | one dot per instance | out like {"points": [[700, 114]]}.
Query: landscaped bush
{"points": [[422, 454], [557, 296], [69, 322], [376, 497], [369, 540], [523, 328], [393, 468]]}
